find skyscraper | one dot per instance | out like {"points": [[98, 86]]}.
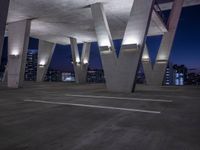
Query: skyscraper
{"points": [[169, 75], [31, 66]]}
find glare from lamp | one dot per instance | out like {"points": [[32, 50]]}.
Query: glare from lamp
{"points": [[145, 57], [128, 41], [78, 60], [42, 63], [162, 57], [85, 61], [15, 52], [105, 43]]}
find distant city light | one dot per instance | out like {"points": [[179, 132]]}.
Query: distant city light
{"points": [[179, 79]]}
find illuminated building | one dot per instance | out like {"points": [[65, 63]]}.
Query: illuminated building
{"points": [[31, 66]]}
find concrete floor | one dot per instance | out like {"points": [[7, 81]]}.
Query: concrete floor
{"points": [[40, 117]]}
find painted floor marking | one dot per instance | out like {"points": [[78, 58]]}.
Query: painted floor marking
{"points": [[119, 98], [95, 106]]}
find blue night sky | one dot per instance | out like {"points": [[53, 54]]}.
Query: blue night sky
{"points": [[186, 48]]}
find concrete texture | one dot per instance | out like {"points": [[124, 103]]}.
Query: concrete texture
{"points": [[168, 5], [155, 73], [18, 39], [4, 4], [55, 20], [80, 63], [5, 75], [117, 73], [45, 53], [31, 126]]}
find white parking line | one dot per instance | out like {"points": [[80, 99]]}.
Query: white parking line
{"points": [[119, 98], [94, 106]]}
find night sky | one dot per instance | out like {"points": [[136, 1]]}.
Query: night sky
{"points": [[186, 48]]}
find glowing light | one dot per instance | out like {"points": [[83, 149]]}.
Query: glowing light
{"points": [[85, 61], [130, 40], [145, 58], [105, 43], [42, 63], [15, 52], [78, 60], [162, 57]]}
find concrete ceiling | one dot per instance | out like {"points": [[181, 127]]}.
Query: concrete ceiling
{"points": [[56, 20]]}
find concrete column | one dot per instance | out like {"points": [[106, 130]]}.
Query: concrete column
{"points": [[5, 75], [45, 53], [155, 75], [18, 39], [120, 73], [147, 65], [80, 64], [4, 5]]}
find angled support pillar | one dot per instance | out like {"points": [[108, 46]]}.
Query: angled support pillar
{"points": [[45, 53], [4, 5], [18, 39], [120, 73], [155, 73], [5, 75], [80, 64]]}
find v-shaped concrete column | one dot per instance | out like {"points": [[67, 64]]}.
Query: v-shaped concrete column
{"points": [[120, 73], [80, 64], [5, 75], [45, 53], [155, 73], [18, 39], [4, 5]]}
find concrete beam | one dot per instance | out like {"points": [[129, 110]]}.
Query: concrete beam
{"points": [[5, 75], [80, 64], [120, 73], [45, 53], [155, 74], [4, 5], [18, 39], [157, 26]]}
